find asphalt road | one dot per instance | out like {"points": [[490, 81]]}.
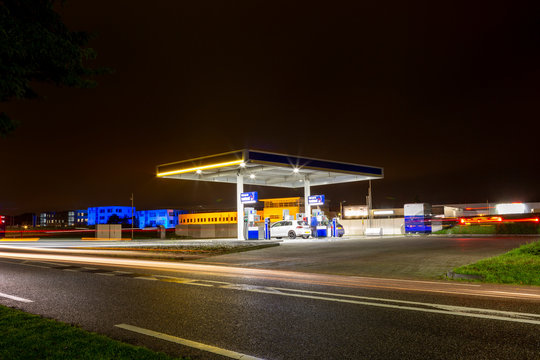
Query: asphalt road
{"points": [[405, 257], [274, 314]]}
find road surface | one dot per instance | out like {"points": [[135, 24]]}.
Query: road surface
{"points": [[219, 312]]}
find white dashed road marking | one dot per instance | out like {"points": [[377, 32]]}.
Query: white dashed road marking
{"points": [[16, 298], [190, 343]]}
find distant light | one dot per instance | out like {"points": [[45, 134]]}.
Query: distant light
{"points": [[383, 212], [513, 208], [252, 176], [354, 211], [199, 171], [242, 164], [296, 170]]}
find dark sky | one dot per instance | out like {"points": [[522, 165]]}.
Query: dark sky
{"points": [[443, 95]]}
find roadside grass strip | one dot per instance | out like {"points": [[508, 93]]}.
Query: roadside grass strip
{"points": [[491, 229], [520, 266], [26, 336]]}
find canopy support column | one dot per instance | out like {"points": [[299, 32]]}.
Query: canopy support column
{"points": [[307, 194], [239, 205]]}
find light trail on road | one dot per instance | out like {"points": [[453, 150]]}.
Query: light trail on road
{"points": [[492, 291]]}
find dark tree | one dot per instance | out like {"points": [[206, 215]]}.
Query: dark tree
{"points": [[114, 219], [36, 46], [124, 221]]}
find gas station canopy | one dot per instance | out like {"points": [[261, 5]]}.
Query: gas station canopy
{"points": [[267, 169]]}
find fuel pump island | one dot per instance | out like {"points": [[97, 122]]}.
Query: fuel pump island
{"points": [[263, 168], [256, 229]]}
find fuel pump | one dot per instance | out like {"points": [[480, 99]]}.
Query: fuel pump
{"points": [[267, 228], [286, 215], [251, 230], [320, 223], [334, 227]]}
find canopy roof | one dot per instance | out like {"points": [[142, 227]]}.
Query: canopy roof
{"points": [[267, 169]]}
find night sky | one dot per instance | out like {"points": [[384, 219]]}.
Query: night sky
{"points": [[443, 95]]}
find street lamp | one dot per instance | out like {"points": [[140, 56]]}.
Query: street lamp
{"points": [[341, 209], [132, 216]]}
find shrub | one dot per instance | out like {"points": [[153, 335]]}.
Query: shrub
{"points": [[517, 228]]}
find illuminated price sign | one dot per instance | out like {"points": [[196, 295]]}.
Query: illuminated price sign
{"points": [[316, 200], [249, 197]]}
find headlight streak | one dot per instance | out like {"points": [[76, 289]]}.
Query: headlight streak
{"points": [[285, 276]]}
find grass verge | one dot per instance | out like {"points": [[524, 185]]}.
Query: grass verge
{"points": [[469, 229], [27, 336], [179, 252], [520, 266], [503, 228]]}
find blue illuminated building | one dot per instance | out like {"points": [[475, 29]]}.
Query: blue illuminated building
{"points": [[165, 217], [101, 214]]}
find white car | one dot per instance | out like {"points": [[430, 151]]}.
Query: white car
{"points": [[290, 229]]}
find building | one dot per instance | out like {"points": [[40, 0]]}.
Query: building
{"points": [[69, 218], [224, 217], [102, 214], [53, 218], [26, 219], [273, 208], [78, 218], [162, 217]]}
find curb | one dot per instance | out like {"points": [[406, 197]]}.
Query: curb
{"points": [[453, 275]]}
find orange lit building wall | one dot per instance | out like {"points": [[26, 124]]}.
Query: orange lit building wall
{"points": [[273, 208]]}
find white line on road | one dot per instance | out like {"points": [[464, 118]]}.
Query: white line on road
{"points": [[16, 298], [370, 301], [24, 263], [439, 306], [190, 343], [439, 309]]}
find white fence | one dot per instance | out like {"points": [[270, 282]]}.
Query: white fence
{"points": [[393, 226]]}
